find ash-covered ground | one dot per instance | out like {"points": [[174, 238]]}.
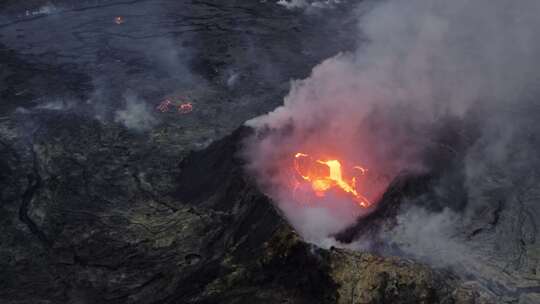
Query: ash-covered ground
{"points": [[106, 198]]}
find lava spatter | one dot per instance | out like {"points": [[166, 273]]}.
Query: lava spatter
{"points": [[324, 175]]}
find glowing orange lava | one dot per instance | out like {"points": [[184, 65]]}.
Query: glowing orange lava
{"points": [[327, 174], [169, 104], [164, 106], [119, 20], [185, 108]]}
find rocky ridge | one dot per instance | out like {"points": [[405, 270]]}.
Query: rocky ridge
{"points": [[80, 226]]}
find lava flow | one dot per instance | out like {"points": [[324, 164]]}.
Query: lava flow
{"points": [[327, 174], [186, 107], [119, 20], [183, 107]]}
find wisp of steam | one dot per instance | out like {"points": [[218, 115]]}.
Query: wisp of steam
{"points": [[422, 62]]}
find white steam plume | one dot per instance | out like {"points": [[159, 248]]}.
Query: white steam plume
{"points": [[307, 4], [424, 60], [136, 114]]}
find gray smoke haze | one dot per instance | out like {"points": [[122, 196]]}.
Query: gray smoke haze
{"points": [[136, 114], [424, 61], [57, 104], [100, 64], [308, 5], [46, 9]]}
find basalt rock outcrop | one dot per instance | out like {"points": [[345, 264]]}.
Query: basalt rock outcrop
{"points": [[95, 212], [148, 226]]}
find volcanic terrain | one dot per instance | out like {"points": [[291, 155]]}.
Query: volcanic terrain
{"points": [[110, 195]]}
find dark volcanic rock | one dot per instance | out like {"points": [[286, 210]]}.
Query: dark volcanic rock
{"points": [[80, 226], [438, 186], [92, 212], [482, 228], [388, 206]]}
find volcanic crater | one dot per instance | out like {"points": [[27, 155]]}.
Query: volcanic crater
{"points": [[107, 198]]}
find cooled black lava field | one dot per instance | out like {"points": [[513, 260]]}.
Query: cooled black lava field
{"points": [[292, 151]]}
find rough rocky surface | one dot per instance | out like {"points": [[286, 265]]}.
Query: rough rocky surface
{"points": [[94, 209], [495, 244], [82, 227]]}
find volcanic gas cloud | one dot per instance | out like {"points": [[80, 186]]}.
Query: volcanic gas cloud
{"points": [[362, 117], [326, 156], [324, 175]]}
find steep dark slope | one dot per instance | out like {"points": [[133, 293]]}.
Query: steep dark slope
{"points": [[145, 226]]}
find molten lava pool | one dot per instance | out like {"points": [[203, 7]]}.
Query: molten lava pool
{"points": [[324, 175]]}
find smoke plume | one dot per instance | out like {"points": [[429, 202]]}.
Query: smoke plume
{"points": [[308, 5], [136, 114], [382, 106]]}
